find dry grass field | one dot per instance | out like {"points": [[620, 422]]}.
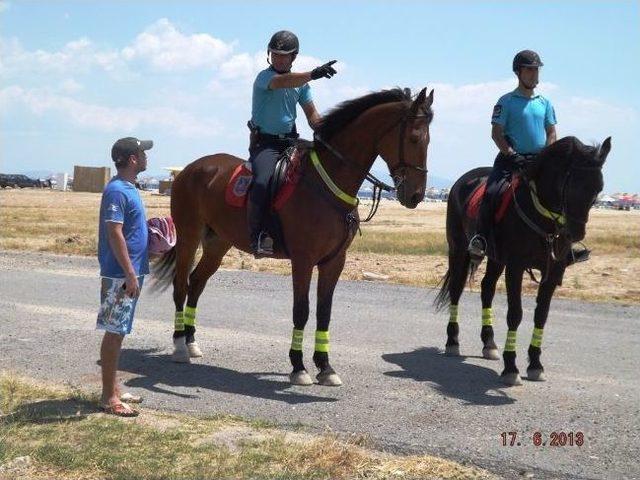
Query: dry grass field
{"points": [[399, 245]]}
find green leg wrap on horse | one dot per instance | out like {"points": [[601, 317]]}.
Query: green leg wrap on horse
{"points": [[296, 339], [179, 322], [322, 342], [453, 313], [536, 338], [487, 317], [510, 344], [190, 316]]}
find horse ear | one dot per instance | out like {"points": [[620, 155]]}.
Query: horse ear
{"points": [[605, 148], [429, 99], [420, 98]]}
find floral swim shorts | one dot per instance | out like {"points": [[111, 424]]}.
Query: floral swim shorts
{"points": [[116, 307]]}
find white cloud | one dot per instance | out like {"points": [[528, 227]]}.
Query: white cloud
{"points": [[79, 56], [70, 86], [4, 6], [103, 118], [161, 45], [166, 48]]}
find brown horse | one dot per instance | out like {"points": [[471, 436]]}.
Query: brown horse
{"points": [[318, 221]]}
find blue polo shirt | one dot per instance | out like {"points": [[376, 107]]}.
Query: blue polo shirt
{"points": [[274, 111], [121, 203], [524, 120]]}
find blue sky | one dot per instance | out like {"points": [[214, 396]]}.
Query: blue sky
{"points": [[75, 76]]}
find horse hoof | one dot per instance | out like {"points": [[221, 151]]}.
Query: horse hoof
{"points": [[491, 353], [536, 375], [300, 377], [329, 379], [180, 352], [194, 350], [452, 350], [511, 379]]}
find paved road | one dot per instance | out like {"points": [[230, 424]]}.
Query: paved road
{"points": [[386, 344]]}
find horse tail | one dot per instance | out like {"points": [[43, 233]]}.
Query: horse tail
{"points": [[163, 271], [443, 299]]}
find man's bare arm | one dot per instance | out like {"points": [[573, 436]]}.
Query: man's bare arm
{"points": [[289, 80], [551, 134], [313, 117], [119, 248], [497, 134]]}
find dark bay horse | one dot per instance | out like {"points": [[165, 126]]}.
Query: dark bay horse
{"points": [[318, 221], [549, 210]]}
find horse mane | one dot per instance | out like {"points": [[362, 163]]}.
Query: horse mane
{"points": [[346, 112], [569, 150]]}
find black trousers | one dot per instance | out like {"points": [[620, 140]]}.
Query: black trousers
{"points": [[263, 157], [503, 167]]}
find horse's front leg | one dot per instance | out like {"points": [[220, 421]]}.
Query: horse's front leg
{"points": [[510, 374], [328, 274], [545, 293], [301, 275]]}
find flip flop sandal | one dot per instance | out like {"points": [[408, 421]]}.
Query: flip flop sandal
{"points": [[130, 398], [120, 410]]}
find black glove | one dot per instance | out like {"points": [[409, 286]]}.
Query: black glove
{"points": [[326, 71], [518, 160]]}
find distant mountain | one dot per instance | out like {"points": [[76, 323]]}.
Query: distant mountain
{"points": [[438, 182]]}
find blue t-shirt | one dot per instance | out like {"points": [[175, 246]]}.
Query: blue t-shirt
{"points": [[121, 203], [525, 120], [274, 111]]}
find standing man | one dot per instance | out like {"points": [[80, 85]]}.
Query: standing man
{"points": [[276, 91], [124, 260], [523, 123]]}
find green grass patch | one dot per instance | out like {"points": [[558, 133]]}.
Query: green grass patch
{"points": [[61, 431]]}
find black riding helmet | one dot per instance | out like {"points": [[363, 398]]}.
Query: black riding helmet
{"points": [[526, 58], [283, 43]]}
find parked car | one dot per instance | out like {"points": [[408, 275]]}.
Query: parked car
{"points": [[22, 181]]}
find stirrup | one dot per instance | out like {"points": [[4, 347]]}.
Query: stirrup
{"points": [[477, 246], [578, 256], [264, 245]]}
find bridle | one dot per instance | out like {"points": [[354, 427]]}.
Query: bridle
{"points": [[559, 219], [402, 166], [398, 172]]}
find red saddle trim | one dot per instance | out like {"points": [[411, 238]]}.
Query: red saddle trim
{"points": [[473, 206], [238, 186]]}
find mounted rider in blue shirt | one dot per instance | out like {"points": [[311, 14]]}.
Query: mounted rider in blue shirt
{"points": [[276, 93], [523, 123]]}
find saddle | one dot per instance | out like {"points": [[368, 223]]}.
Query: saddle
{"points": [[282, 184], [505, 197]]}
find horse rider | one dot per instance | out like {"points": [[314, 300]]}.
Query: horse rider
{"points": [[522, 124], [276, 90]]}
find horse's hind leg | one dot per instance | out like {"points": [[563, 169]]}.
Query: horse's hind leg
{"points": [[213, 250], [511, 375], [488, 290], [458, 272], [186, 247]]}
